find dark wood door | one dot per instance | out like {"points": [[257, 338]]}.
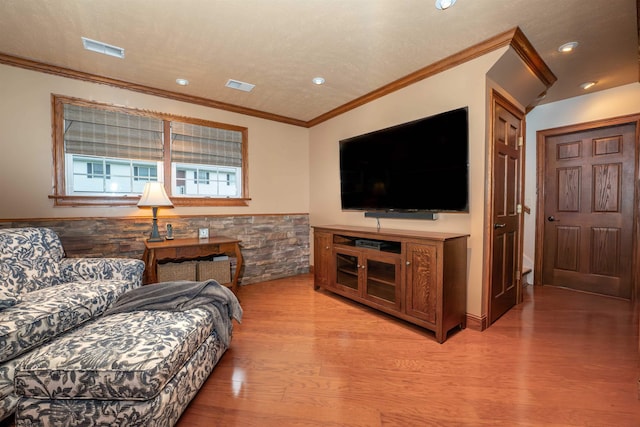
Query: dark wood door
{"points": [[588, 210], [506, 223]]}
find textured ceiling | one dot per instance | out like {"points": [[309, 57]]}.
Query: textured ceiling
{"points": [[358, 46]]}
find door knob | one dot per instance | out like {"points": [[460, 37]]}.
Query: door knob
{"points": [[552, 219], [498, 225]]}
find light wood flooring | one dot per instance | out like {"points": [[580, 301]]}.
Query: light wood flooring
{"points": [[310, 358]]}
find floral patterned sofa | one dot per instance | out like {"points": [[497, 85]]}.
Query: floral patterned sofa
{"points": [[138, 368], [44, 295]]}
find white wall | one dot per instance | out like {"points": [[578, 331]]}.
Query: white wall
{"points": [[464, 85], [605, 104], [278, 153]]}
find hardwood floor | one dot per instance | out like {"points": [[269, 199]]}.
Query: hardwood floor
{"points": [[310, 358]]}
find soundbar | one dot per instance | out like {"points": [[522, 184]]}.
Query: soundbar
{"points": [[402, 215]]}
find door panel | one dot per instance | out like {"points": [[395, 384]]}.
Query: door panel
{"points": [[568, 239], [382, 280], [347, 271], [588, 210], [507, 178], [321, 259], [422, 281]]}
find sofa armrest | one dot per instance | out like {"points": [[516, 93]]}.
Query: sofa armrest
{"points": [[75, 269]]}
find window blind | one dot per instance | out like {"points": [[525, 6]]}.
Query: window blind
{"points": [[103, 133], [197, 144]]}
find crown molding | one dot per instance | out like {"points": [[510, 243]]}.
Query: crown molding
{"points": [[514, 38], [121, 84]]}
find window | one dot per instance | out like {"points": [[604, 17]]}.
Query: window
{"points": [[104, 154], [203, 177], [96, 170], [204, 180], [145, 173], [87, 175], [201, 159]]}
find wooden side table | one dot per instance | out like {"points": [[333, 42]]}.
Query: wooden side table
{"points": [[186, 249]]}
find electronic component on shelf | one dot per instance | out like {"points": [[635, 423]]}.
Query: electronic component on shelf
{"points": [[371, 244]]}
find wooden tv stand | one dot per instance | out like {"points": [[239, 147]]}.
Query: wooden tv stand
{"points": [[420, 277]]}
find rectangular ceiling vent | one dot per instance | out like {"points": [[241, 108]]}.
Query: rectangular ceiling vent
{"points": [[235, 84], [100, 47]]}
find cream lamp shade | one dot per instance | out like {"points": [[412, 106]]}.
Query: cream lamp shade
{"points": [[154, 196]]}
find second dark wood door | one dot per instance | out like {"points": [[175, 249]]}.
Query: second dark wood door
{"points": [[589, 196]]}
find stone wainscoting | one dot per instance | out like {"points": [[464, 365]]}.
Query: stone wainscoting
{"points": [[273, 246]]}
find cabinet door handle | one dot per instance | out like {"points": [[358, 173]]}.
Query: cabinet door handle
{"points": [[408, 262]]}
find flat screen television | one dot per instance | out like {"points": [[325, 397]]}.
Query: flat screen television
{"points": [[420, 166]]}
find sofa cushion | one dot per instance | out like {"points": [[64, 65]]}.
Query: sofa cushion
{"points": [[129, 356], [48, 312], [7, 373], [8, 399], [8, 299], [29, 259], [8, 406], [161, 411], [80, 269]]}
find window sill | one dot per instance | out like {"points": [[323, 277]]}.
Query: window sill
{"points": [[62, 200]]}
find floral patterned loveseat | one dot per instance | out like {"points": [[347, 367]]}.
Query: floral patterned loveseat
{"points": [[43, 295]]}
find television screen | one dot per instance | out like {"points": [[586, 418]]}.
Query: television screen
{"points": [[422, 165]]}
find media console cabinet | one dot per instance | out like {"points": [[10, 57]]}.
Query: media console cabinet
{"points": [[420, 277]]}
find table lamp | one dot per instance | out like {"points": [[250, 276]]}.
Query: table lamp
{"points": [[154, 197]]}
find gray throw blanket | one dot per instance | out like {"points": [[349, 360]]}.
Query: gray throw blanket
{"points": [[185, 295]]}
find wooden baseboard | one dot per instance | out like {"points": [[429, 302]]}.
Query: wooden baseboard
{"points": [[476, 323]]}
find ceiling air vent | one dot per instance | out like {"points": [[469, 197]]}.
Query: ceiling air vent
{"points": [[100, 47], [235, 84]]}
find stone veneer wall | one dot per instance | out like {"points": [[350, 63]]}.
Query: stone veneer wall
{"points": [[273, 246]]}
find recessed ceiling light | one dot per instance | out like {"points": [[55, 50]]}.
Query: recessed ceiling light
{"points": [[568, 47], [236, 84], [318, 80], [587, 85], [444, 4], [100, 47], [182, 82]]}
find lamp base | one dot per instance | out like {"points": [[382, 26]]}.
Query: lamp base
{"points": [[155, 235]]}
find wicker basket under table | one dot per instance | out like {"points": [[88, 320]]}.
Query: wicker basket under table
{"points": [[217, 270], [172, 271]]}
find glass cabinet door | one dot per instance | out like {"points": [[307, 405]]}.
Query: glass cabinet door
{"points": [[347, 269], [382, 282], [374, 275]]}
